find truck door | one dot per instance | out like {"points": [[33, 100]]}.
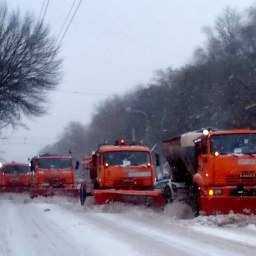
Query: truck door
{"points": [[201, 152]]}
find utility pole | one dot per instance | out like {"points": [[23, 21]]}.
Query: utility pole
{"points": [[147, 124], [133, 135]]}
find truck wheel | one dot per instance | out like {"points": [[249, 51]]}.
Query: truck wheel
{"points": [[194, 200], [167, 192], [82, 194]]}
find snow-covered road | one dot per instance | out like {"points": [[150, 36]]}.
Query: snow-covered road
{"points": [[61, 227]]}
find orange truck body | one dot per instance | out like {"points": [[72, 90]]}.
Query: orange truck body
{"points": [[15, 177], [123, 172], [221, 165], [53, 175]]}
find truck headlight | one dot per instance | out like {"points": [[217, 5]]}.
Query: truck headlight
{"points": [[210, 192], [214, 192]]}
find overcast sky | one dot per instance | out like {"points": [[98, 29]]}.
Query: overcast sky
{"points": [[112, 46]]}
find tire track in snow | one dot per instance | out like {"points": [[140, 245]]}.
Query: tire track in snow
{"points": [[182, 228], [140, 244], [168, 235], [28, 230], [4, 245], [231, 235], [182, 243], [87, 236], [13, 231]]}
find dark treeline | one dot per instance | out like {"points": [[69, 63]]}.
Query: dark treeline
{"points": [[217, 89]]}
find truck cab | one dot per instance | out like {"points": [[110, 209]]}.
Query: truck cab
{"points": [[123, 166], [218, 167], [227, 163], [15, 177], [52, 172], [122, 172]]}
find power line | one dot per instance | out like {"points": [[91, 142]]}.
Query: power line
{"points": [[70, 22], [66, 19], [45, 10], [41, 9], [23, 138], [22, 144], [85, 93]]}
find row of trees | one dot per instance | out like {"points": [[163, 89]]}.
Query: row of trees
{"points": [[217, 89]]}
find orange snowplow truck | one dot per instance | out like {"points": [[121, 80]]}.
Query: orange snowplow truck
{"points": [[216, 168], [53, 175], [15, 177], [122, 172]]}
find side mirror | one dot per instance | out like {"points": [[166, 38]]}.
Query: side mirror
{"points": [[32, 166], [198, 148], [77, 165], [157, 159], [94, 159]]}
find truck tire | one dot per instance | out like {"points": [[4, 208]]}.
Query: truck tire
{"points": [[195, 200], [82, 194], [167, 192]]}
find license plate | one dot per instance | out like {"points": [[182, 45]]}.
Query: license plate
{"points": [[14, 179], [138, 174], [248, 174]]}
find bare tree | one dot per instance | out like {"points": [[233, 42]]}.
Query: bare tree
{"points": [[29, 66]]}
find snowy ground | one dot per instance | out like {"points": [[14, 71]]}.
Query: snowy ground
{"points": [[59, 226]]}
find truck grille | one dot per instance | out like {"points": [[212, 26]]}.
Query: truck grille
{"points": [[241, 192], [55, 183], [240, 180]]}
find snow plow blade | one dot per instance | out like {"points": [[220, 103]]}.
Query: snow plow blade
{"points": [[73, 192], [14, 190], [225, 205], [149, 197]]}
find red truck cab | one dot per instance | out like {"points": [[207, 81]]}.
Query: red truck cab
{"points": [[15, 177], [218, 168], [52, 173], [122, 172], [227, 171], [123, 166]]}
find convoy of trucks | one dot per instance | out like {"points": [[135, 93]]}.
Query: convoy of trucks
{"points": [[214, 171]]}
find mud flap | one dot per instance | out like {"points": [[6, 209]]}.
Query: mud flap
{"points": [[83, 194]]}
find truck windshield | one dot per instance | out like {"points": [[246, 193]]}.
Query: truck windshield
{"points": [[16, 169], [126, 158], [54, 163], [234, 144]]}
